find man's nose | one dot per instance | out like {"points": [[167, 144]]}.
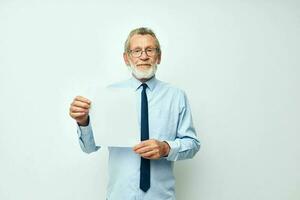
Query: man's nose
{"points": [[144, 56]]}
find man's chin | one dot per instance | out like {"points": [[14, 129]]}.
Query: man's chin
{"points": [[143, 73], [143, 68]]}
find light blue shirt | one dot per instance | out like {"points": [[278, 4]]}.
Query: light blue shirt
{"points": [[170, 120]]}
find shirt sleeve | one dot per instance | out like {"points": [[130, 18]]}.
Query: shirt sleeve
{"points": [[86, 138], [186, 143]]}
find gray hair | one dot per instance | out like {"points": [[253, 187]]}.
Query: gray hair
{"points": [[141, 31]]}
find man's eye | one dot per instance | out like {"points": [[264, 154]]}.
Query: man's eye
{"points": [[136, 51]]}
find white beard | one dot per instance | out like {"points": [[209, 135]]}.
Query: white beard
{"points": [[143, 74]]}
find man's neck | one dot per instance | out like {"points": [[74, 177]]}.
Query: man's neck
{"points": [[143, 80]]}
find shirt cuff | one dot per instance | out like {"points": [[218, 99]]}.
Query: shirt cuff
{"points": [[83, 130], [174, 150]]}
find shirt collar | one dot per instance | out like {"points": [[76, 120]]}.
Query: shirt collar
{"points": [[150, 83]]}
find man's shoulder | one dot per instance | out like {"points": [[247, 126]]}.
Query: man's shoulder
{"points": [[170, 87]]}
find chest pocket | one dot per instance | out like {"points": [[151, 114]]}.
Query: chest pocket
{"points": [[163, 123]]}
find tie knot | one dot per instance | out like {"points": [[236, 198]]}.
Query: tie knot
{"points": [[144, 86]]}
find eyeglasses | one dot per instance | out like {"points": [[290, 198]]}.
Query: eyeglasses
{"points": [[150, 52]]}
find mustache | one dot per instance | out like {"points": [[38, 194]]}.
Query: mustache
{"points": [[140, 64]]}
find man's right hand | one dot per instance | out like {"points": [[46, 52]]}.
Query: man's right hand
{"points": [[79, 110]]}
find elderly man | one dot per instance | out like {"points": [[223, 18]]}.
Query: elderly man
{"points": [[145, 171]]}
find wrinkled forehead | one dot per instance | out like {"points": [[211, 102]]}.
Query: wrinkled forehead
{"points": [[142, 41]]}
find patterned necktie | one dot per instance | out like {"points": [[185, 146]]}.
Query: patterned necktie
{"points": [[145, 163]]}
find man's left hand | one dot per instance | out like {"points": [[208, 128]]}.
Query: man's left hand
{"points": [[152, 149]]}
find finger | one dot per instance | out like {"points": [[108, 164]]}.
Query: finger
{"points": [[80, 104], [153, 157], [154, 152], [141, 145], [82, 99], [77, 115], [144, 149], [78, 109]]}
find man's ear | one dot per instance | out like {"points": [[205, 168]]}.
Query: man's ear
{"points": [[158, 59], [126, 59]]}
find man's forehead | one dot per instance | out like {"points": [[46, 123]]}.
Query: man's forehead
{"points": [[143, 40]]}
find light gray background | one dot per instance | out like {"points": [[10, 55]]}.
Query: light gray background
{"points": [[238, 61]]}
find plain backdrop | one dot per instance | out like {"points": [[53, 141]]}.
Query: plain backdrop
{"points": [[238, 62]]}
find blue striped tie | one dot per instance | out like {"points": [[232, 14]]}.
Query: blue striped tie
{"points": [[145, 163]]}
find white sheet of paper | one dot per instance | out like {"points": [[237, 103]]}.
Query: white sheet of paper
{"points": [[114, 117]]}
